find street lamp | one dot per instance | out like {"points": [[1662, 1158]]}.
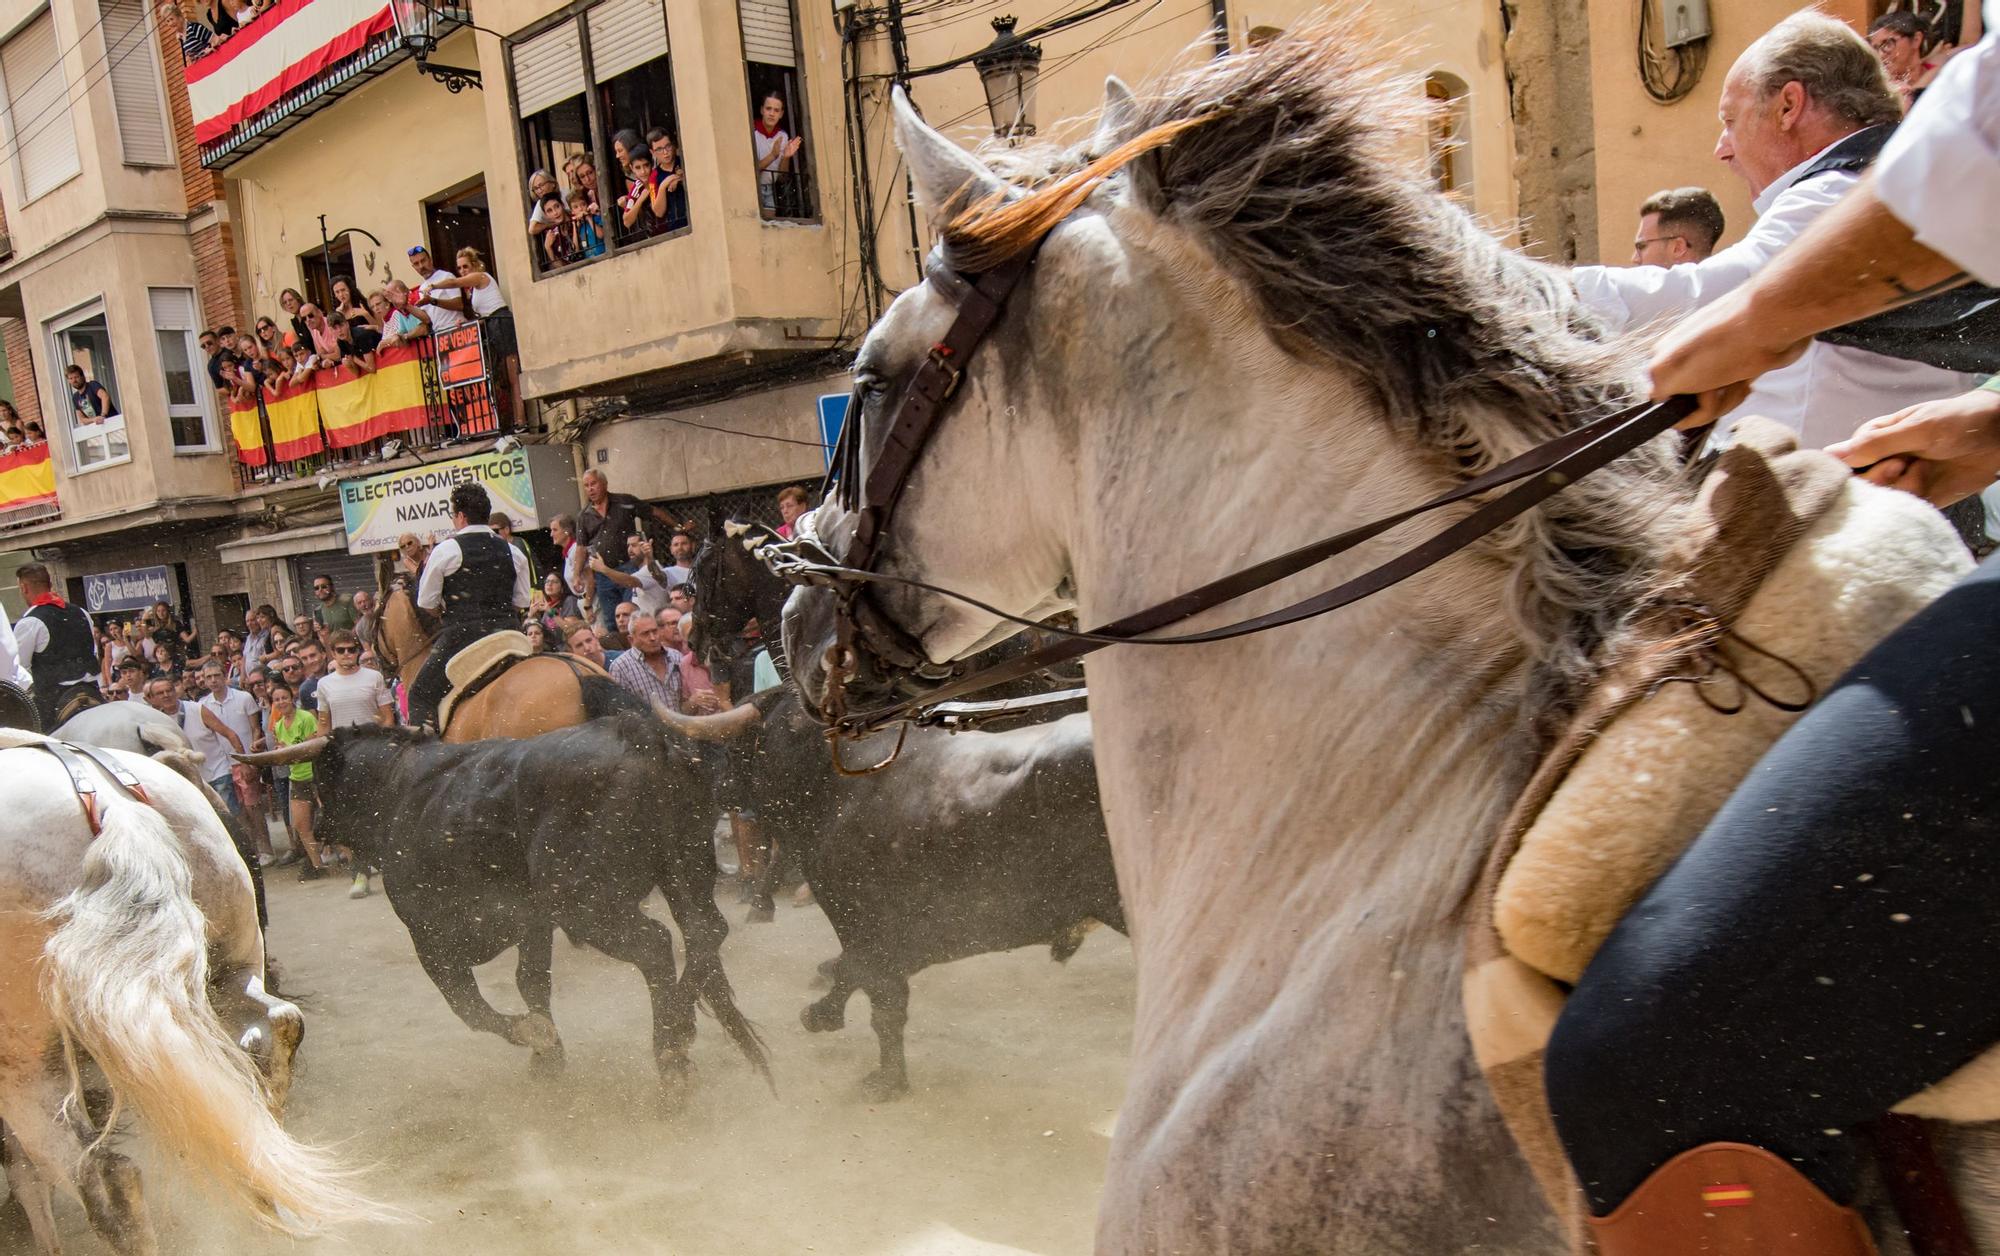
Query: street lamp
{"points": [[1008, 68], [417, 24]]}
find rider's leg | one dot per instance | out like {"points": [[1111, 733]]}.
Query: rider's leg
{"points": [[1827, 947]]}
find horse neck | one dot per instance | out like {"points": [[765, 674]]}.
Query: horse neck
{"points": [[398, 621]]}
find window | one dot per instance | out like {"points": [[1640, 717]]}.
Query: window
{"points": [[136, 94], [38, 129], [91, 408], [588, 91], [1449, 140], [189, 400], [777, 110]]}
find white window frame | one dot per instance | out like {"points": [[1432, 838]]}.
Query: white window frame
{"points": [[204, 391], [59, 361]]}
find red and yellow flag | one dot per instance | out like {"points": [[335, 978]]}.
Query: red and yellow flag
{"points": [[27, 477], [249, 433], [294, 417], [357, 408]]}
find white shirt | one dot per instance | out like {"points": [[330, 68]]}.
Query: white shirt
{"points": [[348, 700], [1940, 172], [12, 666], [441, 318], [446, 558], [651, 595], [486, 299], [213, 747], [1830, 390], [240, 712]]}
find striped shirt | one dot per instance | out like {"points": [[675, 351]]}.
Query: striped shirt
{"points": [[630, 670], [195, 39]]}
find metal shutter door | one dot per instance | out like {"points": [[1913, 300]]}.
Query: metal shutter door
{"points": [[39, 126], [135, 84], [624, 34], [767, 31], [548, 69]]}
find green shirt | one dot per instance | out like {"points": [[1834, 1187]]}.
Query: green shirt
{"points": [[292, 731], [338, 617]]}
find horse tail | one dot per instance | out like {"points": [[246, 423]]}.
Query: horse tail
{"points": [[126, 978], [711, 986]]}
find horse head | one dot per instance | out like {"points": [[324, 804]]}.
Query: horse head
{"points": [[401, 638], [732, 588]]}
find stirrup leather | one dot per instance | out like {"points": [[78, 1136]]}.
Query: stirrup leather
{"points": [[1730, 1199]]}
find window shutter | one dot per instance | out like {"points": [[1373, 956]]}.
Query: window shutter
{"points": [[767, 31], [39, 126], [624, 34], [173, 308], [548, 69], [135, 84]]}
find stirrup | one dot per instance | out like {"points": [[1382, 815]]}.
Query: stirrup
{"points": [[1730, 1199]]}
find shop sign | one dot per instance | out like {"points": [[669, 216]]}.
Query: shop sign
{"points": [[461, 362], [379, 508], [128, 590]]}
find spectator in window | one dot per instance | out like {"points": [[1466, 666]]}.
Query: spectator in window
{"points": [[559, 242], [541, 186], [496, 321], [446, 309], [32, 429], [775, 148], [12, 437], [212, 348], [586, 224], [1677, 225], [331, 342], [268, 336], [196, 37], [793, 501], [643, 208], [667, 161], [220, 18], [88, 398], [625, 142]]}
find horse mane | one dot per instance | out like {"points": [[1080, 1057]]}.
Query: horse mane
{"points": [[1297, 166]]}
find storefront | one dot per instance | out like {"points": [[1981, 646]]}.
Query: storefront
{"points": [[531, 483]]}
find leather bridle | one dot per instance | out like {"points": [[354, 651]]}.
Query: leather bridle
{"points": [[861, 626]]}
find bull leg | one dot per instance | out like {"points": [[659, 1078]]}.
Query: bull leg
{"points": [[648, 946], [461, 993], [829, 1011], [761, 870], [532, 978], [107, 1182], [33, 1193], [889, 1012]]}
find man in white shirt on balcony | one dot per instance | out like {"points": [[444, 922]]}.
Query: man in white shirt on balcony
{"points": [[446, 309], [1803, 111]]}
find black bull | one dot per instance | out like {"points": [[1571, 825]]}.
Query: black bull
{"points": [[492, 844]]}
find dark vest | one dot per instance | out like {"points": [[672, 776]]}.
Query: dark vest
{"points": [[1958, 330], [481, 591], [69, 653]]}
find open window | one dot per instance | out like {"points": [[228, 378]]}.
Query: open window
{"points": [[779, 141], [86, 391]]}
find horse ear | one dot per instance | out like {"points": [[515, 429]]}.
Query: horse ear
{"points": [[1120, 107], [946, 176]]}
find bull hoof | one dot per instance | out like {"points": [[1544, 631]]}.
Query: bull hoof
{"points": [[536, 1032], [546, 1065], [763, 915], [818, 1018], [881, 1086]]}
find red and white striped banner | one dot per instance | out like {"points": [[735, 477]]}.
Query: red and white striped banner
{"points": [[281, 50]]}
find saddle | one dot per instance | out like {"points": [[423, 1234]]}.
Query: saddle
{"points": [[479, 665], [1791, 570]]}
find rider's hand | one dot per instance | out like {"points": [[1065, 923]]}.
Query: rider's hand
{"points": [[1940, 450], [1714, 354]]}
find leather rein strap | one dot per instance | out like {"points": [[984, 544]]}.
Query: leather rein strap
{"points": [[1536, 475], [72, 758]]}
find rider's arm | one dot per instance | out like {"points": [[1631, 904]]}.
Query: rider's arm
{"points": [[523, 587], [444, 560]]}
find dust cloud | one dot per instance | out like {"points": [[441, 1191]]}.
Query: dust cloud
{"points": [[1016, 1066]]}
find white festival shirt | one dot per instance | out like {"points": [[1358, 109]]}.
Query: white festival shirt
{"points": [[240, 712], [11, 666], [441, 318], [1831, 389], [345, 701], [1940, 172]]}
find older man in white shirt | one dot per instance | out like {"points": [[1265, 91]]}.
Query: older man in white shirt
{"points": [[1803, 111]]}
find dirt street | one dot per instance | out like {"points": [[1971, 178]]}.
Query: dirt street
{"points": [[1017, 1066]]}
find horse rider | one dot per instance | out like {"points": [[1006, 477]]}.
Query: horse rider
{"points": [[55, 643], [477, 583], [1829, 945], [17, 687]]}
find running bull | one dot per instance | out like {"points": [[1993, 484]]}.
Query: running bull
{"points": [[490, 844]]}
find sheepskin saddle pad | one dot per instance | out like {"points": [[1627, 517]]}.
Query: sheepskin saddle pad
{"points": [[473, 668], [1791, 569]]}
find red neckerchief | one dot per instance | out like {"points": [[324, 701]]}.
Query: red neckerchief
{"points": [[769, 133], [48, 599]]}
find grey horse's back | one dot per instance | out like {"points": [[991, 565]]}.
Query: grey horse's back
{"points": [[125, 725]]}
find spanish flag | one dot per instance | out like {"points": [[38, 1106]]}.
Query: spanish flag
{"points": [[27, 477], [294, 415], [249, 433], [356, 408]]}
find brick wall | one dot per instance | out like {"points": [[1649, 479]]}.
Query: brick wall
{"points": [[21, 368], [216, 277]]}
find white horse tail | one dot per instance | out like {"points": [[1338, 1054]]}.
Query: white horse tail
{"points": [[126, 976]]}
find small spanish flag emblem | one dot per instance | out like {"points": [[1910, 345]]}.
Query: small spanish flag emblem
{"points": [[1728, 1195]]}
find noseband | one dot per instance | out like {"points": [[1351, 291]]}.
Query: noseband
{"points": [[862, 627]]}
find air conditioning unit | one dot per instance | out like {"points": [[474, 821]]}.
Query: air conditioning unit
{"points": [[1684, 21]]}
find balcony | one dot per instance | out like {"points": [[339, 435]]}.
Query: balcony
{"points": [[27, 487], [287, 63]]}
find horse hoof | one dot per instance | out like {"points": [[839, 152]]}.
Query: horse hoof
{"points": [[546, 1066], [881, 1086], [760, 915], [676, 1083], [819, 1019]]}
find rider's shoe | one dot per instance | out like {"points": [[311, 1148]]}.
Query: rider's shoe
{"points": [[1730, 1199]]}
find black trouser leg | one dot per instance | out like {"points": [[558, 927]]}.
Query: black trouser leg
{"points": [[1828, 946]]}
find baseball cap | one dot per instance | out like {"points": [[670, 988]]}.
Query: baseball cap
{"points": [[416, 249]]}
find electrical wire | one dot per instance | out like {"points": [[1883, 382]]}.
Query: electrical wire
{"points": [[58, 109], [1668, 74]]}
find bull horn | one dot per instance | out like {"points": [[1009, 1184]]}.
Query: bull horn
{"points": [[305, 752], [722, 726], [736, 528]]}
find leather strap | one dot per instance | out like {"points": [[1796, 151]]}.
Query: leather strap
{"points": [[73, 759]]}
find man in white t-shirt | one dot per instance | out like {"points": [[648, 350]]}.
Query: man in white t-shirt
{"points": [[352, 694], [446, 309], [647, 581], [236, 725]]}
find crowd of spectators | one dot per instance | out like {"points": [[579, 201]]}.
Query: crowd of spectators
{"points": [[566, 219], [16, 432]]}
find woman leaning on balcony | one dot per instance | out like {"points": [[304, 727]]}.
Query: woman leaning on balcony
{"points": [[496, 321]]}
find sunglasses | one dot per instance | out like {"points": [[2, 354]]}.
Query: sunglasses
{"points": [[347, 649]]}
